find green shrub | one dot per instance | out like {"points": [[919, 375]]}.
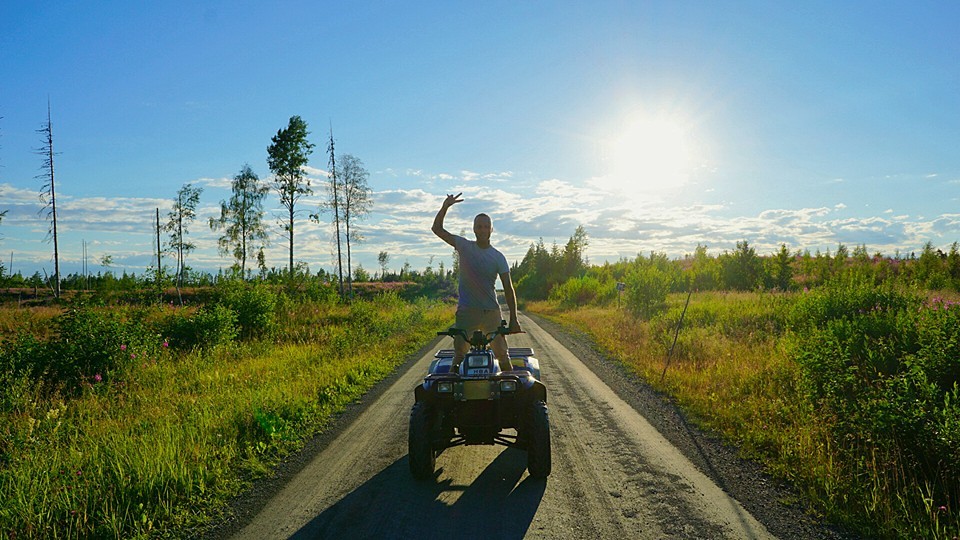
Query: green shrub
{"points": [[382, 315], [321, 292], [884, 369], [24, 354], [87, 343], [254, 306], [646, 290], [208, 328], [580, 291]]}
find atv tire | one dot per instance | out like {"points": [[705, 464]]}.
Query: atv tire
{"points": [[538, 441], [419, 447]]}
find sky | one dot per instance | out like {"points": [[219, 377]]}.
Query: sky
{"points": [[657, 126]]}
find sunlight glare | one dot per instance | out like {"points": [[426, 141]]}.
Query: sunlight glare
{"points": [[653, 154]]}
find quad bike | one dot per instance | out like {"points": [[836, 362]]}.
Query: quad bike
{"points": [[474, 403]]}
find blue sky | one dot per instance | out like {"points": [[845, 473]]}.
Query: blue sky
{"points": [[655, 125]]}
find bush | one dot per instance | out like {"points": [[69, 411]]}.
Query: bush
{"points": [[254, 306], [580, 291], [208, 328], [380, 316], [321, 292], [646, 290], [883, 368], [88, 345]]}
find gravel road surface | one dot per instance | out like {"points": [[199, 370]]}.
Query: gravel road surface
{"points": [[616, 474]]}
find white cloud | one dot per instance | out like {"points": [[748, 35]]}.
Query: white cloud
{"points": [[11, 195], [315, 172], [215, 183]]}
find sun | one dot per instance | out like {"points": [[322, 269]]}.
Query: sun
{"points": [[651, 154]]}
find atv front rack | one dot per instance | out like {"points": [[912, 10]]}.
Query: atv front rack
{"points": [[514, 352]]}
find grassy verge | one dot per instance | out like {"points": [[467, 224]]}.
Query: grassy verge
{"points": [[743, 369], [161, 447]]}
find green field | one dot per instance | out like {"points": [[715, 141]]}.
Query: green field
{"points": [[848, 391], [134, 422]]}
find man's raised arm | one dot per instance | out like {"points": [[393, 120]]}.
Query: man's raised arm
{"points": [[438, 229]]}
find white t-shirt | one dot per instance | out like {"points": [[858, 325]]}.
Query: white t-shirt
{"points": [[479, 268]]}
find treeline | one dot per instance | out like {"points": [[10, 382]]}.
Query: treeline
{"points": [[563, 274], [197, 286]]}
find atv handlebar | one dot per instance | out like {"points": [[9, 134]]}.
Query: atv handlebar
{"points": [[479, 339]]}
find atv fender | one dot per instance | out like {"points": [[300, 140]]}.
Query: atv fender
{"points": [[538, 392]]}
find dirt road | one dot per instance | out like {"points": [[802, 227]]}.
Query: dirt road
{"points": [[614, 475]]}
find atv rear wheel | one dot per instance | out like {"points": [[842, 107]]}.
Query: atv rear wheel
{"points": [[419, 447], [538, 441]]}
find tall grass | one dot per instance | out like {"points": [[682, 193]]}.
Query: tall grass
{"points": [[162, 447], [870, 435]]}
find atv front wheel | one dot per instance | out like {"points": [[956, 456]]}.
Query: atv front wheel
{"points": [[419, 447], [538, 441]]}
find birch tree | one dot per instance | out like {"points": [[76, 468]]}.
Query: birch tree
{"points": [[356, 203], [241, 219], [383, 259], [286, 157], [182, 214]]}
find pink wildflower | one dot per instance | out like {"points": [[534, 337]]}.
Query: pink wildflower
{"points": [[133, 355], [97, 377], [123, 347], [166, 344]]}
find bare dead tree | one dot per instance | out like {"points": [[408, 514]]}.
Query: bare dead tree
{"points": [[335, 204], [48, 194]]}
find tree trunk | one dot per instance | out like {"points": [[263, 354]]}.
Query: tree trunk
{"points": [[159, 281], [291, 243], [53, 207], [336, 209]]}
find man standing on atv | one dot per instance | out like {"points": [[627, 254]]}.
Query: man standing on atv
{"points": [[480, 264]]}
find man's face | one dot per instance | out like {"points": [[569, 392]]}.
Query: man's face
{"points": [[482, 227]]}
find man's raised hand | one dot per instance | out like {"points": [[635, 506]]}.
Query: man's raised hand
{"points": [[452, 200]]}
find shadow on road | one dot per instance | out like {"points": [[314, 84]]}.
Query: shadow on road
{"points": [[394, 505]]}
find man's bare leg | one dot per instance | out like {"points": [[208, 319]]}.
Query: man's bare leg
{"points": [[500, 349], [460, 348]]}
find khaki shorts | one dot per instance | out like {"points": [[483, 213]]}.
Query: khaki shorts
{"points": [[485, 320]]}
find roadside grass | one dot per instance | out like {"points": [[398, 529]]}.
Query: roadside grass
{"points": [[160, 449], [734, 369]]}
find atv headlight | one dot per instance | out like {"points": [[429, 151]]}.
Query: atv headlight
{"points": [[508, 386], [445, 387], [477, 361]]}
